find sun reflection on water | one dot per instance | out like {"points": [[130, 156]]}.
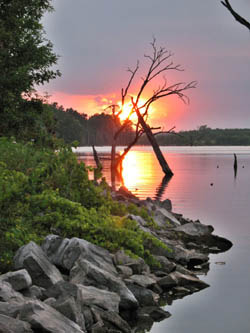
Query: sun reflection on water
{"points": [[138, 169]]}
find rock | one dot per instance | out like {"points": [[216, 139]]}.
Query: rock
{"points": [[62, 289], [89, 296], [124, 271], [19, 280], [68, 307], [10, 309], [185, 280], [186, 257], [50, 301], [142, 280], [181, 291], [164, 219], [33, 259], [165, 265], [44, 318], [65, 252], [157, 314], [34, 292], [138, 266], [112, 320], [12, 325], [145, 297], [167, 204], [8, 294], [88, 274], [87, 314], [195, 229], [167, 282]]}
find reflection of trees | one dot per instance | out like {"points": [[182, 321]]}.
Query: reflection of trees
{"points": [[162, 187]]}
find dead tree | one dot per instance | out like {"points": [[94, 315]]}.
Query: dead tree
{"points": [[237, 17], [159, 63]]}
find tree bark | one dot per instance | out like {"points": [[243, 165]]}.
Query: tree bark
{"points": [[163, 163]]}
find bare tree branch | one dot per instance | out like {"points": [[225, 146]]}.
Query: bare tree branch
{"points": [[237, 17]]}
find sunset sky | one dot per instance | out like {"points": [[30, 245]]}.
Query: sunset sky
{"points": [[97, 41]]}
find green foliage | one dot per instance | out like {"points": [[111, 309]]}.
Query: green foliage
{"points": [[205, 136], [25, 60], [42, 191]]}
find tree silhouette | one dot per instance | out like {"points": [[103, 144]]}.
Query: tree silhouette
{"points": [[237, 17], [160, 62]]}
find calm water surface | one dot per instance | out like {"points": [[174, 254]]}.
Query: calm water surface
{"points": [[203, 187]]}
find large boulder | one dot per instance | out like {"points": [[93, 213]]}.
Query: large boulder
{"points": [[195, 229], [13, 325], [187, 280], [65, 252], [33, 259], [143, 280], [86, 273], [89, 296], [19, 280], [44, 318]]}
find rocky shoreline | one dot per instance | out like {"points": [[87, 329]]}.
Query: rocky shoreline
{"points": [[71, 285]]}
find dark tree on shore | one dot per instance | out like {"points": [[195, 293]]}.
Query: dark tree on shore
{"points": [[237, 17], [160, 62], [26, 57]]}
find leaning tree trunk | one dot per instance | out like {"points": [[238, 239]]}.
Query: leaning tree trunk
{"points": [[164, 165]]}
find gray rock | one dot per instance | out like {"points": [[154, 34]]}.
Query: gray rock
{"points": [[138, 266], [164, 219], [62, 289], [157, 314], [195, 229], [88, 274], [167, 282], [8, 294], [70, 309], [89, 296], [112, 320], [46, 319], [12, 325], [124, 271], [65, 252], [165, 265], [33, 259], [34, 292], [185, 280], [50, 301], [19, 280], [184, 256], [145, 297], [167, 204], [143, 280], [10, 309]]}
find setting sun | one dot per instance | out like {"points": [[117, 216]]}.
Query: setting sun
{"points": [[128, 107]]}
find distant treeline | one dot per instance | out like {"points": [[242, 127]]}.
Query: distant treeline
{"points": [[96, 130], [205, 136], [99, 130]]}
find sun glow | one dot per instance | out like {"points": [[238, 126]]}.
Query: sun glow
{"points": [[127, 108]]}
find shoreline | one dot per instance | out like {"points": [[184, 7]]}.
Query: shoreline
{"points": [[80, 284]]}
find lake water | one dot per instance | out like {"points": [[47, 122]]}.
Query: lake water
{"points": [[203, 187]]}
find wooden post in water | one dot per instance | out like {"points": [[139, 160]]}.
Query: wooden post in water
{"points": [[235, 165], [98, 169]]}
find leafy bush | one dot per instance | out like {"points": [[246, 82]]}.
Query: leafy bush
{"points": [[42, 191]]}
